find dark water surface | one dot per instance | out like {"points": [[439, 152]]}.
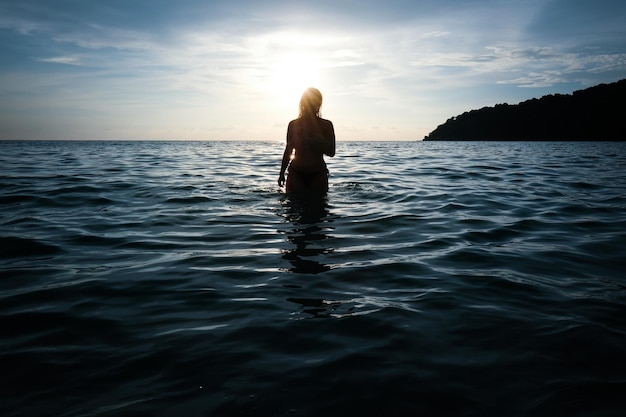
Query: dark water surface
{"points": [[435, 279]]}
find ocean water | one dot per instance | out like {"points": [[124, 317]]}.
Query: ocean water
{"points": [[434, 279]]}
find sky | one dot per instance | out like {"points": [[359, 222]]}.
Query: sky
{"points": [[235, 69]]}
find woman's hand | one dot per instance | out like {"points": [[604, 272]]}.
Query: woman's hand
{"points": [[281, 179]]}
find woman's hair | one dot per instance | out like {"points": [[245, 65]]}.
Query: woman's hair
{"points": [[310, 102]]}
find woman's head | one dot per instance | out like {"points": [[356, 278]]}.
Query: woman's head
{"points": [[310, 102]]}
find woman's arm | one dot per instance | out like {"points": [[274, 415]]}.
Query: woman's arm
{"points": [[329, 135], [286, 158]]}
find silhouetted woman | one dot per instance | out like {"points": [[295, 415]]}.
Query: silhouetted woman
{"points": [[309, 138]]}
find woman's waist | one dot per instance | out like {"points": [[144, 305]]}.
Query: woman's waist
{"points": [[308, 169]]}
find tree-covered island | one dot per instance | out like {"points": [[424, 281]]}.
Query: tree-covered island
{"points": [[594, 114]]}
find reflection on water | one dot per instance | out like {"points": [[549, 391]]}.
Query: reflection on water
{"points": [[320, 308], [310, 218], [312, 228]]}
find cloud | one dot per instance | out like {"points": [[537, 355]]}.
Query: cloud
{"points": [[549, 66], [535, 80], [67, 60]]}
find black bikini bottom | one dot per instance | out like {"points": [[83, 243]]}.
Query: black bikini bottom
{"points": [[308, 177]]}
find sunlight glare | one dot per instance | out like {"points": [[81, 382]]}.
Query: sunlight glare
{"points": [[291, 75]]}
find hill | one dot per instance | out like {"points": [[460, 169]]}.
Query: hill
{"points": [[595, 113]]}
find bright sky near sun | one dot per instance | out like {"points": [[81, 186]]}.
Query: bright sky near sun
{"points": [[235, 69]]}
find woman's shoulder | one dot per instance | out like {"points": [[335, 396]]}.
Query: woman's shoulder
{"points": [[306, 123], [327, 124]]}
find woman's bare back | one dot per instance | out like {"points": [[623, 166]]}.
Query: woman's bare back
{"points": [[312, 138]]}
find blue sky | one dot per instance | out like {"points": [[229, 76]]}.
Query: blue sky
{"points": [[235, 69]]}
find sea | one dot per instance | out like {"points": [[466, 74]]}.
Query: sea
{"points": [[433, 279]]}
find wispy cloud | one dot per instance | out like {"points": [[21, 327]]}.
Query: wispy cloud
{"points": [[67, 60]]}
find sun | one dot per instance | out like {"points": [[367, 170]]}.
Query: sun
{"points": [[291, 74], [292, 61]]}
